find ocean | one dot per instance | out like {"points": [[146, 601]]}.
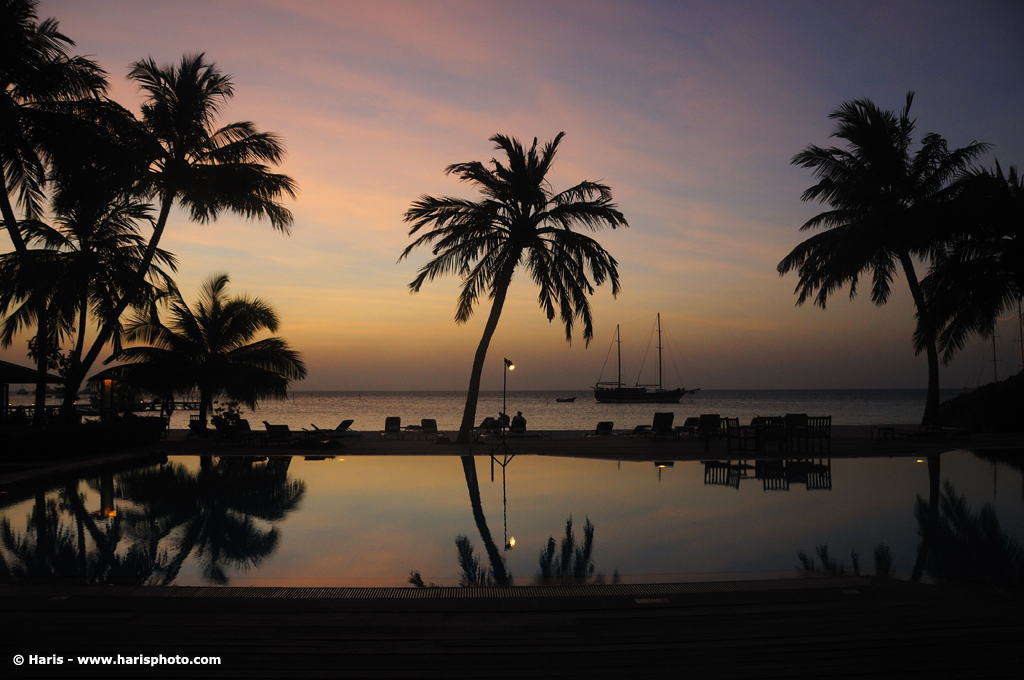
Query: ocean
{"points": [[369, 409]]}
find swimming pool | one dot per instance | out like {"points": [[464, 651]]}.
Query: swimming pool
{"points": [[377, 521]]}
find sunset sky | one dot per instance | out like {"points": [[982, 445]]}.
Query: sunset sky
{"points": [[691, 112]]}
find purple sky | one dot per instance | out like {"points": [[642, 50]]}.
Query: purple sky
{"points": [[689, 111]]}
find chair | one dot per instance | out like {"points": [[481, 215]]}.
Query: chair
{"points": [[710, 427], [429, 428], [603, 429], [640, 431], [228, 434], [796, 426], [741, 434], [342, 431], [689, 426], [662, 425], [196, 427], [277, 434], [769, 430], [392, 427], [818, 429]]}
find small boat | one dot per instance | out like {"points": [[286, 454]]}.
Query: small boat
{"points": [[22, 391], [618, 393], [565, 400]]}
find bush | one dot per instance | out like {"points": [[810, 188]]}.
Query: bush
{"points": [[996, 407]]}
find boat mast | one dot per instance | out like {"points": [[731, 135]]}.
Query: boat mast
{"points": [[618, 342], [659, 351]]}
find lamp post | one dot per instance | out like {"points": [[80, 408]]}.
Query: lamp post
{"points": [[506, 451]]}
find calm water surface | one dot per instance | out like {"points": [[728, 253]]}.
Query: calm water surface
{"points": [[369, 409], [373, 520]]}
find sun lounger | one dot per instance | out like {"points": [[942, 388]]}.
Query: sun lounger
{"points": [[392, 428], [662, 425], [428, 426], [277, 434], [342, 431], [603, 429]]}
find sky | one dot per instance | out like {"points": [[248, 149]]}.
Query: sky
{"points": [[690, 112]]}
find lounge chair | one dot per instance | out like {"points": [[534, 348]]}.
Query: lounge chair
{"points": [[662, 425], [392, 428], [603, 429], [689, 426], [428, 426], [342, 431], [228, 434], [640, 431], [277, 434]]}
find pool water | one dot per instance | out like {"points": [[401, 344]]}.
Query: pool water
{"points": [[368, 520]]}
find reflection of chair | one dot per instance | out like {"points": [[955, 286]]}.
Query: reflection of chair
{"points": [[604, 428], [662, 425], [773, 474], [392, 427]]}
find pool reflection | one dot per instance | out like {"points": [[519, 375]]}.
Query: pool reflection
{"points": [[365, 520]]}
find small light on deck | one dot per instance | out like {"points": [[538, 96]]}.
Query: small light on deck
{"points": [[920, 460]]}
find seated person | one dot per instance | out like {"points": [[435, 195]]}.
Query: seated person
{"points": [[518, 423]]}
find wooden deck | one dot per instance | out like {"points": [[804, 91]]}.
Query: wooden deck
{"points": [[830, 627]]}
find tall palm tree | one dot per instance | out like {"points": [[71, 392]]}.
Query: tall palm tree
{"points": [[979, 273], [39, 84], [203, 168], [211, 348], [519, 218], [884, 202]]}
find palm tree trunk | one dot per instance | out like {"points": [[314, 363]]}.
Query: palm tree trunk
{"points": [[42, 347], [500, 291], [932, 412], [21, 248], [77, 374], [497, 565]]}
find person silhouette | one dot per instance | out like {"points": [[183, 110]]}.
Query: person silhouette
{"points": [[518, 422]]}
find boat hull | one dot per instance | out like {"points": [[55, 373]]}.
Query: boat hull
{"points": [[638, 395]]}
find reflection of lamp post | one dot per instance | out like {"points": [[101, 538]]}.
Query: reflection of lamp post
{"points": [[662, 464]]}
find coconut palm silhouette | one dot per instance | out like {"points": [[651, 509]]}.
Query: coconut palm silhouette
{"points": [[518, 220], [211, 348], [885, 201]]}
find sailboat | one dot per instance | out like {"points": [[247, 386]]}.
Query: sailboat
{"points": [[618, 393]]}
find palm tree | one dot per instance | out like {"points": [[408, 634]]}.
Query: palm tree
{"points": [[210, 348], [519, 218], [39, 84], [979, 273], [885, 202], [203, 168]]}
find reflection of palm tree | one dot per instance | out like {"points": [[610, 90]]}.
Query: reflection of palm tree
{"points": [[882, 201], [484, 241], [927, 517], [212, 514], [210, 348], [501, 575], [573, 564], [965, 545]]}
